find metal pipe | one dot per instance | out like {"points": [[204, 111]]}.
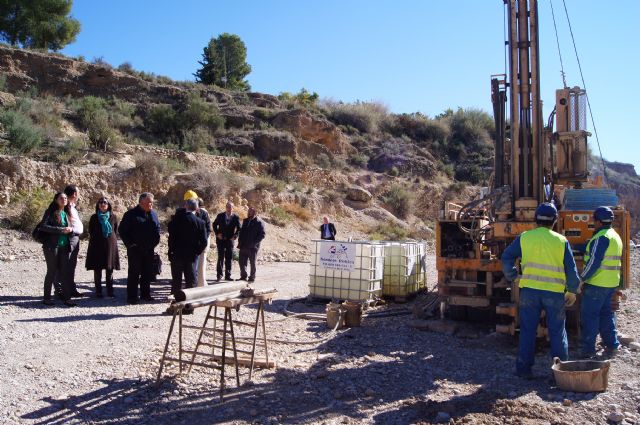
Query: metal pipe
{"points": [[192, 294]]}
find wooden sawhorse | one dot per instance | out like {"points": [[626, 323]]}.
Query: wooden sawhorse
{"points": [[212, 359]]}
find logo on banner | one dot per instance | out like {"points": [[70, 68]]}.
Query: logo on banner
{"points": [[337, 256]]}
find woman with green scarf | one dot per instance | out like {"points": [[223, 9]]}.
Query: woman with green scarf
{"points": [[102, 253]]}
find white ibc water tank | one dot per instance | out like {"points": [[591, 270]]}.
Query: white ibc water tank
{"points": [[346, 270], [404, 268]]}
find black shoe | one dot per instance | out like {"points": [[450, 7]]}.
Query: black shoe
{"points": [[58, 294], [47, 302], [70, 303], [228, 278], [251, 279], [133, 302], [76, 294], [218, 279], [241, 278]]}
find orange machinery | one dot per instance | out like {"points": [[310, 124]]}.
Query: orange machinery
{"points": [[533, 163]]}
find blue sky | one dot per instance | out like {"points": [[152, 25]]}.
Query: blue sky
{"points": [[412, 55]]}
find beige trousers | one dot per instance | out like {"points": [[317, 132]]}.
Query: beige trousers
{"points": [[202, 266]]}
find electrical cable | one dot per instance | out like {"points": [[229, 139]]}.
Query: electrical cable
{"points": [[555, 27], [595, 130]]}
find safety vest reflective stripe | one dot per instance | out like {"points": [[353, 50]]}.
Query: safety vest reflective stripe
{"points": [[543, 278], [543, 260], [608, 274], [544, 267]]}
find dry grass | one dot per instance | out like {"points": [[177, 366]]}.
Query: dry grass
{"points": [[298, 211]]}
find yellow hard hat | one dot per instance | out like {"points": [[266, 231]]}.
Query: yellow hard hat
{"points": [[190, 194]]}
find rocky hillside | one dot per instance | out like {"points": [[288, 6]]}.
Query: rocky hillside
{"points": [[119, 132]]}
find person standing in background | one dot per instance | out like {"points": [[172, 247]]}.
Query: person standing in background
{"points": [[102, 253], [203, 215], [251, 234], [140, 233], [327, 230], [187, 240], [226, 227], [78, 228]]}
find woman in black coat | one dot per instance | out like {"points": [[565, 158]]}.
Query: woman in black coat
{"points": [[102, 253]]}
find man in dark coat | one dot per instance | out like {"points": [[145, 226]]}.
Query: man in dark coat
{"points": [[140, 233], [251, 234], [226, 227], [327, 230], [187, 240]]}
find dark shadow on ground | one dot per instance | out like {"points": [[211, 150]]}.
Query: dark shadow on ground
{"points": [[401, 376]]}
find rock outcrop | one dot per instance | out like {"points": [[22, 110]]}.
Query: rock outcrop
{"points": [[314, 129]]}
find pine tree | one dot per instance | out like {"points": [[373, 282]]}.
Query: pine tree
{"points": [[41, 24], [224, 63]]}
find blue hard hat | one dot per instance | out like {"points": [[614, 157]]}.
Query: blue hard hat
{"points": [[546, 212], [603, 214]]}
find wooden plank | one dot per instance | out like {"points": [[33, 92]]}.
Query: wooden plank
{"points": [[246, 361]]}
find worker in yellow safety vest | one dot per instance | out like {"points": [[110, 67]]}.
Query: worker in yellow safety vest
{"points": [[548, 282], [601, 275]]}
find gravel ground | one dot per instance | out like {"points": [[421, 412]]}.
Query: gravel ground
{"points": [[97, 364]]}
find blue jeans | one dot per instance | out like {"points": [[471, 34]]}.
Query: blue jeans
{"points": [[532, 302], [596, 317]]}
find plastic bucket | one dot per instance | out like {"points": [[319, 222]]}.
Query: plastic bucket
{"points": [[583, 376], [335, 316], [353, 315]]}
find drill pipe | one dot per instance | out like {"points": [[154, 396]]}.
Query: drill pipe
{"points": [[193, 294]]}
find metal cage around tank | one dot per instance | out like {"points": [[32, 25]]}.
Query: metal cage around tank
{"points": [[362, 283]]}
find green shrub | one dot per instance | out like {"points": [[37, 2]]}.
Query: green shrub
{"points": [[46, 112], [419, 127], [244, 165], [279, 216], [71, 152], [154, 169], [197, 139], [95, 118], [29, 207], [171, 125], [359, 159], [323, 161], [162, 121], [263, 114], [22, 134], [399, 200], [367, 117], [270, 184], [388, 231], [332, 196], [281, 167], [303, 98]]}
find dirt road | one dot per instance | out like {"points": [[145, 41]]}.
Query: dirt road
{"points": [[97, 363]]}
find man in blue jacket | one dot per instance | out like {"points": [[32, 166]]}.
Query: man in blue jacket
{"points": [[601, 275], [549, 282], [140, 233]]}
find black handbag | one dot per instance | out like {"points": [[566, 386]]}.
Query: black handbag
{"points": [[38, 234], [157, 264]]}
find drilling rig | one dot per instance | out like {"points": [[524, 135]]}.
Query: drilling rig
{"points": [[535, 161]]}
